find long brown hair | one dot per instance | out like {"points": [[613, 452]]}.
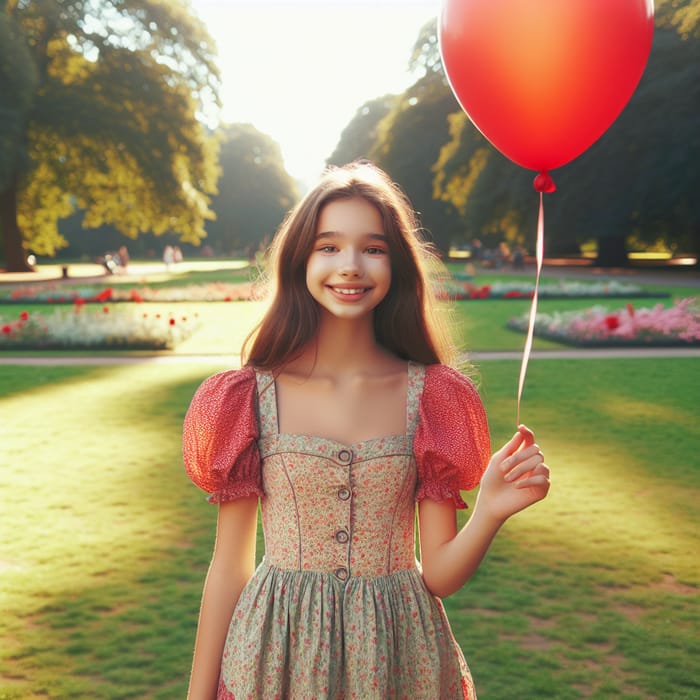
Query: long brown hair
{"points": [[408, 322]]}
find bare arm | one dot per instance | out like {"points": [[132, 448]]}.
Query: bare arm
{"points": [[231, 567], [515, 478]]}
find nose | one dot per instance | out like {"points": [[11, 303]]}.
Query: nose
{"points": [[350, 265]]}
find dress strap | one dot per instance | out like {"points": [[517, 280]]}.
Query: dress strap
{"points": [[267, 403], [416, 380]]}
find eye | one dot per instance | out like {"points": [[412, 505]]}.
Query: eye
{"points": [[375, 250], [327, 249]]}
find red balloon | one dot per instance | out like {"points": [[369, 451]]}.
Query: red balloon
{"points": [[543, 79]]}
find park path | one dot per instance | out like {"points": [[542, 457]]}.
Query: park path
{"points": [[234, 360]]}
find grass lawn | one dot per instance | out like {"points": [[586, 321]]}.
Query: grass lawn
{"points": [[591, 594]]}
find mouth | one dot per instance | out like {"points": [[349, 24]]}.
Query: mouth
{"points": [[350, 291]]}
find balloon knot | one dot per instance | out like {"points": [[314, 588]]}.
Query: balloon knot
{"points": [[544, 183]]}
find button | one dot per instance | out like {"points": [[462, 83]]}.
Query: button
{"points": [[345, 456], [341, 573], [342, 536], [343, 494]]}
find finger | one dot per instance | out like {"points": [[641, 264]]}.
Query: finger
{"points": [[520, 455], [522, 463], [528, 435], [539, 478], [509, 447]]}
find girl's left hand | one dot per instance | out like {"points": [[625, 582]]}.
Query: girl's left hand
{"points": [[515, 478]]}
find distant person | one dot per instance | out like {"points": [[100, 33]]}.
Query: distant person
{"points": [[177, 254], [123, 258], [168, 257], [343, 417], [476, 250], [518, 258]]}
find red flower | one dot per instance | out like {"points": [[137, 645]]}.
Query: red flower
{"points": [[104, 295], [612, 322], [172, 321], [227, 298], [105, 309], [135, 296], [24, 316], [79, 301], [630, 309], [7, 329], [512, 294]]}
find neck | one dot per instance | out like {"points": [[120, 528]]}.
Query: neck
{"points": [[342, 347]]}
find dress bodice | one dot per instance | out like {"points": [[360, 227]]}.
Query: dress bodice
{"points": [[344, 509]]}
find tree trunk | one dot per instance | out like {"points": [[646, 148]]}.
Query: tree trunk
{"points": [[612, 251], [15, 256]]}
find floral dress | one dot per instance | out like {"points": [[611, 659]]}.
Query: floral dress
{"points": [[338, 607]]}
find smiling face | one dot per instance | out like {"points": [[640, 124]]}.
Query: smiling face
{"points": [[349, 270]]}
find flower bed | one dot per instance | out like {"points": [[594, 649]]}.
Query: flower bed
{"points": [[56, 293], [108, 328], [562, 289], [678, 325]]}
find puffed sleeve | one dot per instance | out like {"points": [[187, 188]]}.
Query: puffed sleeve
{"points": [[451, 444], [219, 437]]}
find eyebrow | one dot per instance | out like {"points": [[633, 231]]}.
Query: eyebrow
{"points": [[373, 236]]}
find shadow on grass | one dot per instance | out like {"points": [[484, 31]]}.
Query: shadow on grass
{"points": [[108, 541], [594, 593]]}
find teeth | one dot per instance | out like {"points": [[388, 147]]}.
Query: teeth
{"points": [[348, 291]]}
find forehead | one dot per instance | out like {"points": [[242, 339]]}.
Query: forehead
{"points": [[350, 216]]}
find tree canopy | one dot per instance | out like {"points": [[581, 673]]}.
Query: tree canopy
{"points": [[255, 190], [102, 104]]}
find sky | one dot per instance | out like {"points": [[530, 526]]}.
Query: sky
{"points": [[298, 71]]}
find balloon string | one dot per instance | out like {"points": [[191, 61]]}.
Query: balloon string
{"points": [[539, 255]]}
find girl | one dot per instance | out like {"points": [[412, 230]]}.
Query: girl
{"points": [[345, 414]]}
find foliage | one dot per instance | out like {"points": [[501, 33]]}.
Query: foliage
{"points": [[408, 139], [597, 326], [359, 135], [107, 328], [18, 80], [255, 191], [112, 128], [682, 15]]}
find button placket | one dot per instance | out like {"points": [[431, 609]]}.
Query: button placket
{"points": [[342, 534]]}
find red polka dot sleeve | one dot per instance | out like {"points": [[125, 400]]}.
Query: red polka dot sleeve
{"points": [[451, 444], [219, 437]]}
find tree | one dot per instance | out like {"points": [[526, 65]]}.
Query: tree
{"points": [[255, 191], [105, 121], [358, 137], [409, 138]]}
